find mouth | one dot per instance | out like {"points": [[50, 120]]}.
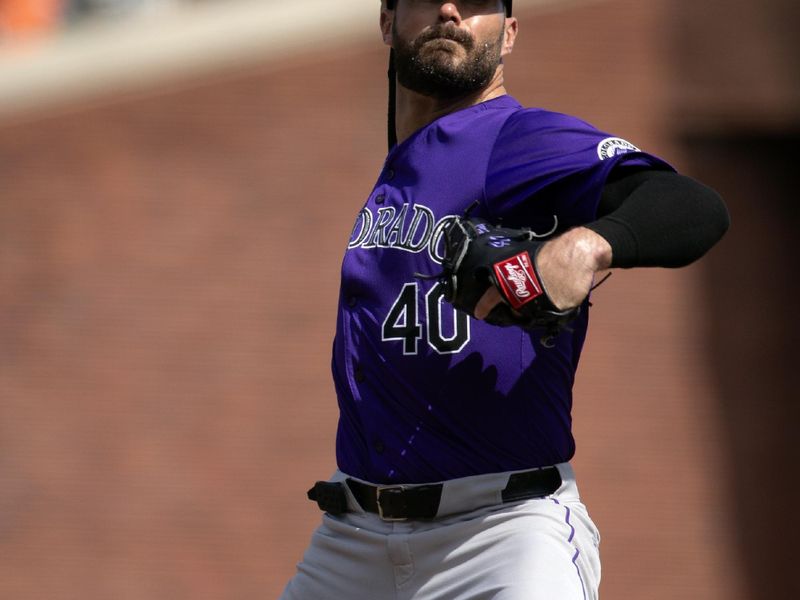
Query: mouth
{"points": [[444, 44], [446, 35]]}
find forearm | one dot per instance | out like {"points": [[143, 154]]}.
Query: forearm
{"points": [[568, 265]]}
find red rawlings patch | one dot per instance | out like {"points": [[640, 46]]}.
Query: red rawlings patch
{"points": [[517, 280]]}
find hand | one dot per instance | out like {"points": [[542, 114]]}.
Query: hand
{"points": [[567, 265]]}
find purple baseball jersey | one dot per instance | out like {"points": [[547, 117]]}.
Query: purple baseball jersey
{"points": [[425, 392]]}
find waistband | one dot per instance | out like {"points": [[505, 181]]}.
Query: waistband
{"points": [[434, 500]]}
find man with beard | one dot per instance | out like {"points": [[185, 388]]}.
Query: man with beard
{"points": [[454, 437]]}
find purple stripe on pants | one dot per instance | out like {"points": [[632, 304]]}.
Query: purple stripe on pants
{"points": [[569, 540]]}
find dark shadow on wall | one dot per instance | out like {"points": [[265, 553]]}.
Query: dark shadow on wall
{"points": [[752, 289]]}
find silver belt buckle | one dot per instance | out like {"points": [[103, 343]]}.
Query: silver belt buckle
{"points": [[388, 488]]}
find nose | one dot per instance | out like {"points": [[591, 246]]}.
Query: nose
{"points": [[448, 11]]}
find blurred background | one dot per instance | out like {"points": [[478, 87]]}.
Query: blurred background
{"points": [[178, 180]]}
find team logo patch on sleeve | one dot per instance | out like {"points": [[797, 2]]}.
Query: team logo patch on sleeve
{"points": [[517, 280], [614, 146]]}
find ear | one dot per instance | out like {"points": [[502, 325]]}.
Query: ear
{"points": [[510, 36], [387, 18]]}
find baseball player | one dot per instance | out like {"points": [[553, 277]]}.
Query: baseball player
{"points": [[462, 313]]}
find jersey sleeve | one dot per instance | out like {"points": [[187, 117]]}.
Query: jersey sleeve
{"points": [[546, 162]]}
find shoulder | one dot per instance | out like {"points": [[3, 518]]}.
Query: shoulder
{"points": [[539, 136], [548, 125]]}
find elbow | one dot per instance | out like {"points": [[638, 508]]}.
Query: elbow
{"points": [[715, 223], [702, 233], [722, 220]]}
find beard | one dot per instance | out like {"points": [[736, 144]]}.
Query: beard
{"points": [[431, 64]]}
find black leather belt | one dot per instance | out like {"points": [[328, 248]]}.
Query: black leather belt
{"points": [[396, 502], [400, 503]]}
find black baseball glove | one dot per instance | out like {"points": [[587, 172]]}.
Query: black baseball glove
{"points": [[479, 255]]}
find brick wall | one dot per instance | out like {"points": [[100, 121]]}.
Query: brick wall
{"points": [[168, 282]]}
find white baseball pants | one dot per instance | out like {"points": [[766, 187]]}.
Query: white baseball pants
{"points": [[538, 549]]}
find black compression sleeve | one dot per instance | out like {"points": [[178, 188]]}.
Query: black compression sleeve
{"points": [[659, 219]]}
